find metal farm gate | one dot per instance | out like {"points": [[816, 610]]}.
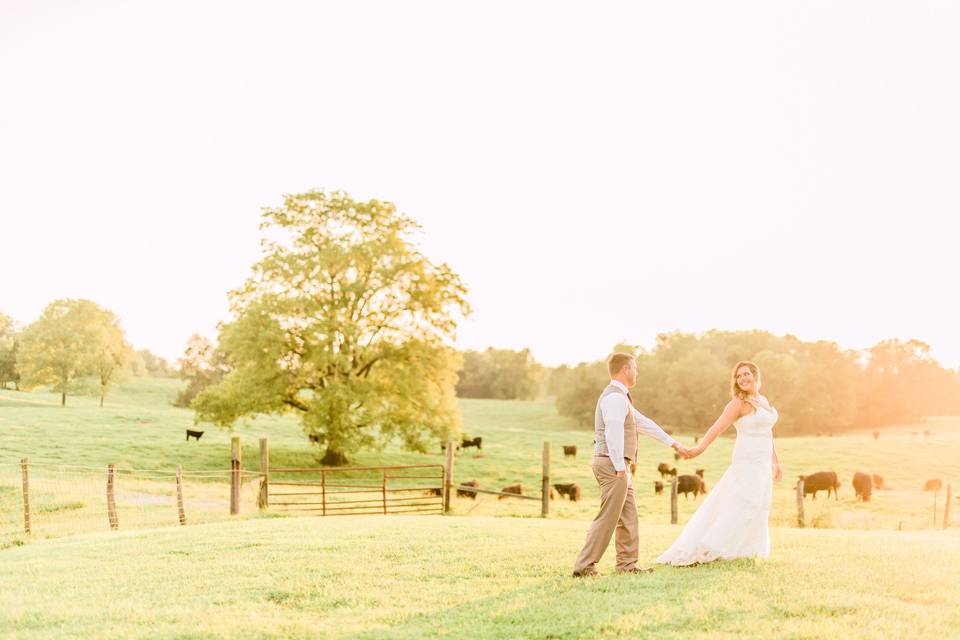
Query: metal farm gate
{"points": [[355, 490]]}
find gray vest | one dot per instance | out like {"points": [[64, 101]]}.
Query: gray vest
{"points": [[629, 428]]}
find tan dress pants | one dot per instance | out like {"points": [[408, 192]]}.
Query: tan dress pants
{"points": [[618, 512]]}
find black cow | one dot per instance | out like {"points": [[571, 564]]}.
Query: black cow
{"points": [[657, 487], [436, 491], [664, 469], [571, 490], [466, 493], [193, 434], [691, 484], [476, 442], [569, 451], [821, 481], [863, 485]]}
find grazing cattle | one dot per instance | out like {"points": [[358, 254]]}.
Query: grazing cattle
{"points": [[863, 486], [913, 433], [672, 471], [821, 481], [193, 434], [691, 484], [569, 451], [933, 485], [571, 490], [657, 487], [876, 434], [927, 433], [436, 491], [516, 489], [676, 457], [878, 482], [466, 493], [664, 469], [476, 442], [314, 438]]}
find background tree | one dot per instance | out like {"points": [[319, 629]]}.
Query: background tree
{"points": [[500, 374], [202, 366], [9, 344], [61, 346], [155, 366], [112, 356], [578, 397], [345, 323]]}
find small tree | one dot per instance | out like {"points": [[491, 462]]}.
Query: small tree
{"points": [[202, 366], [344, 323], [112, 353], [9, 344]]}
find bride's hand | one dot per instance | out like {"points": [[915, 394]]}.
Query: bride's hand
{"points": [[777, 473]]}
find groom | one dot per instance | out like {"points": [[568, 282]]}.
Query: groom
{"points": [[616, 424]]}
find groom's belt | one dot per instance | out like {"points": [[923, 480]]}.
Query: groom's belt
{"points": [[604, 455]]}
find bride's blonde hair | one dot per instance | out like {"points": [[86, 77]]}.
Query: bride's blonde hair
{"points": [[735, 390]]}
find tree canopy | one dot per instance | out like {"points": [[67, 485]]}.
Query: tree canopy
{"points": [[345, 323]]}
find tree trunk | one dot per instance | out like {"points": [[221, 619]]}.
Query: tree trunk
{"points": [[63, 397], [333, 458]]}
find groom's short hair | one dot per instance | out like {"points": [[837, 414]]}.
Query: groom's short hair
{"points": [[618, 361]]}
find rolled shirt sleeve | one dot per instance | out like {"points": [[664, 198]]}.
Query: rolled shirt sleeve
{"points": [[613, 408], [649, 428]]}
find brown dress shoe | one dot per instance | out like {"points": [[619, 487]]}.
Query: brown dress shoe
{"points": [[586, 573], [637, 570]]}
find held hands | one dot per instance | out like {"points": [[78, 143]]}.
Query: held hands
{"points": [[777, 473], [686, 453]]}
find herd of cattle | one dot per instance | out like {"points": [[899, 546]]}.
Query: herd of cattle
{"points": [[864, 484]]}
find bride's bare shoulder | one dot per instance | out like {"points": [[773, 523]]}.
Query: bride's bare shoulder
{"points": [[736, 406]]}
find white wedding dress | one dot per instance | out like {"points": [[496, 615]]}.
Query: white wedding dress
{"points": [[732, 521]]}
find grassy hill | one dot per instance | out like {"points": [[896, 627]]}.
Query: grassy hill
{"points": [[143, 434], [468, 577]]}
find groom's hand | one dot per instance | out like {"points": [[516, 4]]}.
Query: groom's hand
{"points": [[682, 450]]}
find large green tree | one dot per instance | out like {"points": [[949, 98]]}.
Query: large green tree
{"points": [[345, 323], [71, 340]]}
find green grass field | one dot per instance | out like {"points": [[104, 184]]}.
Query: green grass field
{"points": [[468, 577], [476, 575], [143, 434]]}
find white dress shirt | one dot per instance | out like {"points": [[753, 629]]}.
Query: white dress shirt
{"points": [[614, 409]]}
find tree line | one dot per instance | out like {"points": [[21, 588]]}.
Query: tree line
{"points": [[684, 381], [75, 347]]}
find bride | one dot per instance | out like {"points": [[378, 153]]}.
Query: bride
{"points": [[732, 521]]}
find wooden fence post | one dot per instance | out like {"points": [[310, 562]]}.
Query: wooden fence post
{"points": [[180, 513], [449, 477], [946, 507], [264, 500], [673, 501], [935, 495], [545, 501], [111, 503], [25, 468], [235, 475], [384, 492], [323, 490], [800, 519]]}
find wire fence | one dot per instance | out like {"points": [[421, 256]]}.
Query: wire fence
{"points": [[54, 500]]}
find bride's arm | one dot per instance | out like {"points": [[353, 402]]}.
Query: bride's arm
{"points": [[730, 414], [775, 461]]}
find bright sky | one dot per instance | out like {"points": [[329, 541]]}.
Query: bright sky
{"points": [[596, 172]]}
